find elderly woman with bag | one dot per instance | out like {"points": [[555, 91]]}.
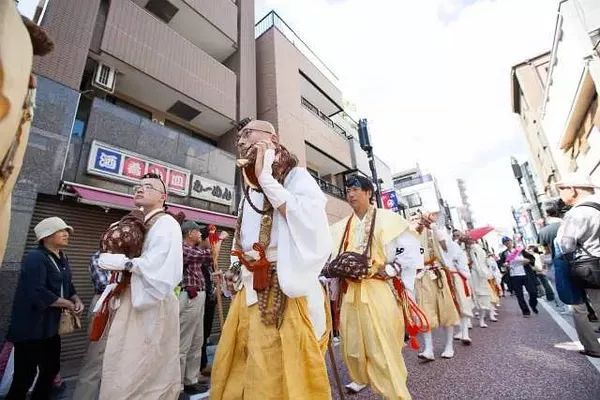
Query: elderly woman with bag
{"points": [[45, 306]]}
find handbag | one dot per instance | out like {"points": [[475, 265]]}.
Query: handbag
{"points": [[350, 264], [567, 291], [68, 322]]}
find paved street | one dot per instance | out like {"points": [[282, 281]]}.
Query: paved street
{"points": [[516, 358]]}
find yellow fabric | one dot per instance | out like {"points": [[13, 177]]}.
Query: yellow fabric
{"points": [[388, 226], [371, 323], [437, 303], [255, 361], [372, 330], [494, 298]]}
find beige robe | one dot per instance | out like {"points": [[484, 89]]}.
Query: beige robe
{"points": [[141, 360]]}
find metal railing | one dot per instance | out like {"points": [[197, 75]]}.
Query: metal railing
{"points": [[323, 117], [272, 19], [330, 188]]}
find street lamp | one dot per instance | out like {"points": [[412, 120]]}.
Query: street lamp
{"points": [[365, 144]]}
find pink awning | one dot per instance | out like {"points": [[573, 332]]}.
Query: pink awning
{"points": [[110, 199]]}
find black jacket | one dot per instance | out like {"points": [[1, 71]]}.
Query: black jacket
{"points": [[39, 286]]}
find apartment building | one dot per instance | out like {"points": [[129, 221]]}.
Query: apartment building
{"points": [[133, 86], [301, 96]]}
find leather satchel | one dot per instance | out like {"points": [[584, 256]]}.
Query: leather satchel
{"points": [[68, 323], [350, 264]]}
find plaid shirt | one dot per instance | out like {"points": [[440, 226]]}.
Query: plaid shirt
{"points": [[99, 276], [193, 259]]}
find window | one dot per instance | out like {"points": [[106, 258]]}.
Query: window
{"points": [[413, 200], [81, 118], [130, 107], [162, 9]]}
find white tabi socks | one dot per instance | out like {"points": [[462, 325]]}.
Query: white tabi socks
{"points": [[427, 353], [464, 331], [493, 314], [482, 323], [449, 350]]}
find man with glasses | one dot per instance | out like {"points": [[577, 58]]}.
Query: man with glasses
{"points": [[141, 360], [579, 238], [272, 344]]}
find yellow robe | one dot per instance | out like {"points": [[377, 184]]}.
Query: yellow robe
{"points": [[256, 361], [371, 323], [433, 292]]}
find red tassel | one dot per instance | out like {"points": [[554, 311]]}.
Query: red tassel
{"points": [[414, 343]]}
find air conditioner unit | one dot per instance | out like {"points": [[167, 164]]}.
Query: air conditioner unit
{"points": [[105, 78]]}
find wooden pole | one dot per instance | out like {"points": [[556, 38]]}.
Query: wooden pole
{"points": [[336, 373], [216, 249]]}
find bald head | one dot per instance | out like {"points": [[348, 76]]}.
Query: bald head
{"points": [[253, 132]]}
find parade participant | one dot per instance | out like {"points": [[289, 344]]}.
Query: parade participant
{"points": [[481, 275], [141, 360], [434, 289], [20, 40], [371, 321], [518, 262], [457, 263], [273, 341]]}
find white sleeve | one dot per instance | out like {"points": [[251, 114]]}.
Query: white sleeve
{"points": [[406, 251], [159, 269]]}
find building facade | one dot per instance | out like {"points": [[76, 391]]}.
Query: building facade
{"points": [[529, 80], [569, 111], [301, 97], [419, 192], [133, 86]]}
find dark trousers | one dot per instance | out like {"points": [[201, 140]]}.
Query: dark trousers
{"points": [[209, 316], [505, 282], [547, 288], [29, 356], [529, 282]]}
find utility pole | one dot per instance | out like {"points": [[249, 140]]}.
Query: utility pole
{"points": [[365, 144], [518, 173]]}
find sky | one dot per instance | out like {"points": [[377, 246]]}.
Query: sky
{"points": [[433, 79]]}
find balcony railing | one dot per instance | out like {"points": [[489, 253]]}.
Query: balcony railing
{"points": [[272, 19], [323, 117], [330, 188]]}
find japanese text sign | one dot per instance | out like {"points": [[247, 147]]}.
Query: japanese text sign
{"points": [[209, 190]]}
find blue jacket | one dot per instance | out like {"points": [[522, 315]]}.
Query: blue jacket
{"points": [[39, 286]]}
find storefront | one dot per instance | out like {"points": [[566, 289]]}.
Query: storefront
{"points": [[91, 209]]}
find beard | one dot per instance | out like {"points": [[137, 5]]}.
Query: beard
{"points": [[282, 165]]}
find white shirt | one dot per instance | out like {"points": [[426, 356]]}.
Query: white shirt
{"points": [[581, 225]]}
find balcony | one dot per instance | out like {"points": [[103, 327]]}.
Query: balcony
{"points": [[330, 188], [160, 68], [210, 25], [326, 120]]}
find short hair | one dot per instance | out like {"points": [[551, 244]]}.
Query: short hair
{"points": [[361, 182], [152, 175]]}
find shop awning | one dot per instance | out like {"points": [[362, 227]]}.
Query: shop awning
{"points": [[107, 198]]}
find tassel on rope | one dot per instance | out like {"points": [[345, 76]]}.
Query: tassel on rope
{"points": [[415, 320]]}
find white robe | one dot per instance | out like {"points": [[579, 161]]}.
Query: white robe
{"points": [[300, 242], [480, 274], [141, 360]]}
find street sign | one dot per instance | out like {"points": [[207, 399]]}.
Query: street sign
{"points": [[390, 201], [122, 165]]}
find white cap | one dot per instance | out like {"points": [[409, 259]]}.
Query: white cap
{"points": [[576, 180], [50, 226]]}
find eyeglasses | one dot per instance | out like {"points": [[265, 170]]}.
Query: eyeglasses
{"points": [[246, 131], [145, 187]]}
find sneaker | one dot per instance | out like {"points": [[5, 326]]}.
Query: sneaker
{"points": [[526, 315], [535, 310]]}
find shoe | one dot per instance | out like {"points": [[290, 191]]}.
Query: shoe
{"points": [[336, 340], [493, 319], [458, 336], [466, 342], [589, 354], [526, 315], [592, 317], [206, 370], [597, 330], [355, 387], [196, 388], [535, 310], [483, 325], [426, 356], [448, 354]]}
